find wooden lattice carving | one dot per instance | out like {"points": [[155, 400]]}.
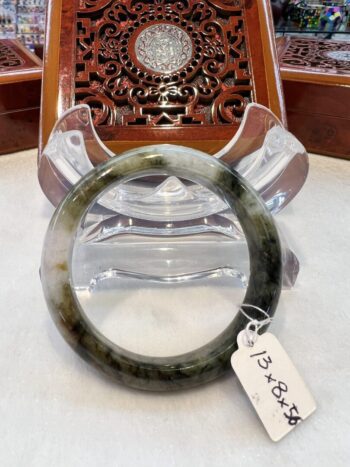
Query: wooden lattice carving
{"points": [[179, 71], [153, 63], [20, 93], [321, 55], [316, 81], [9, 58]]}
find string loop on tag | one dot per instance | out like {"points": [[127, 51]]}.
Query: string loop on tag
{"points": [[254, 325]]}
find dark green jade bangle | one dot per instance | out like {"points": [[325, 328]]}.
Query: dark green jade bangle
{"points": [[159, 373]]}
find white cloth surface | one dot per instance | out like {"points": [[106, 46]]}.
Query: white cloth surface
{"points": [[57, 411]]}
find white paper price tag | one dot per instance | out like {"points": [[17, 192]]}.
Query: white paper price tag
{"points": [[273, 384]]}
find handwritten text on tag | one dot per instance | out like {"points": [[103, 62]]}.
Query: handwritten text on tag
{"points": [[273, 385]]}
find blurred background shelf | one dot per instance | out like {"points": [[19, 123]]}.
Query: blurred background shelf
{"points": [[318, 18], [24, 20]]}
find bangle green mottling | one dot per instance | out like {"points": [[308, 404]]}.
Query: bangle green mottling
{"points": [[159, 373]]}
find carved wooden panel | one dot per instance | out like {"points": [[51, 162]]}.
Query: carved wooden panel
{"points": [[161, 70], [175, 62], [14, 57], [320, 55], [20, 89], [9, 58], [316, 81]]}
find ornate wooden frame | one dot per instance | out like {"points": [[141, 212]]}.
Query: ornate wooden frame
{"points": [[317, 92], [20, 89], [220, 55], [17, 63], [306, 60]]}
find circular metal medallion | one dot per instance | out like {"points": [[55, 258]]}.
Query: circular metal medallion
{"points": [[163, 48], [341, 55]]}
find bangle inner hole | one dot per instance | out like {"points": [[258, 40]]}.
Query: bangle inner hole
{"points": [[159, 265]]}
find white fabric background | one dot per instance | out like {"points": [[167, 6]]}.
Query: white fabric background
{"points": [[56, 411]]}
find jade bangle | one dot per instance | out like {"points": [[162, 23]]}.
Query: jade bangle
{"points": [[159, 373]]}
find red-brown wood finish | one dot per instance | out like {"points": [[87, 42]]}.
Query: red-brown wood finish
{"points": [[316, 79], [20, 89], [92, 57], [17, 63]]}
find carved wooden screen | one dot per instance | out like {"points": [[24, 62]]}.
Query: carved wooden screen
{"points": [[316, 79], [20, 89], [323, 56], [160, 70], [9, 58], [17, 61]]}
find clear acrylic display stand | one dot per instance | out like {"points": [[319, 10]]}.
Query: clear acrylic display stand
{"points": [[163, 231]]}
